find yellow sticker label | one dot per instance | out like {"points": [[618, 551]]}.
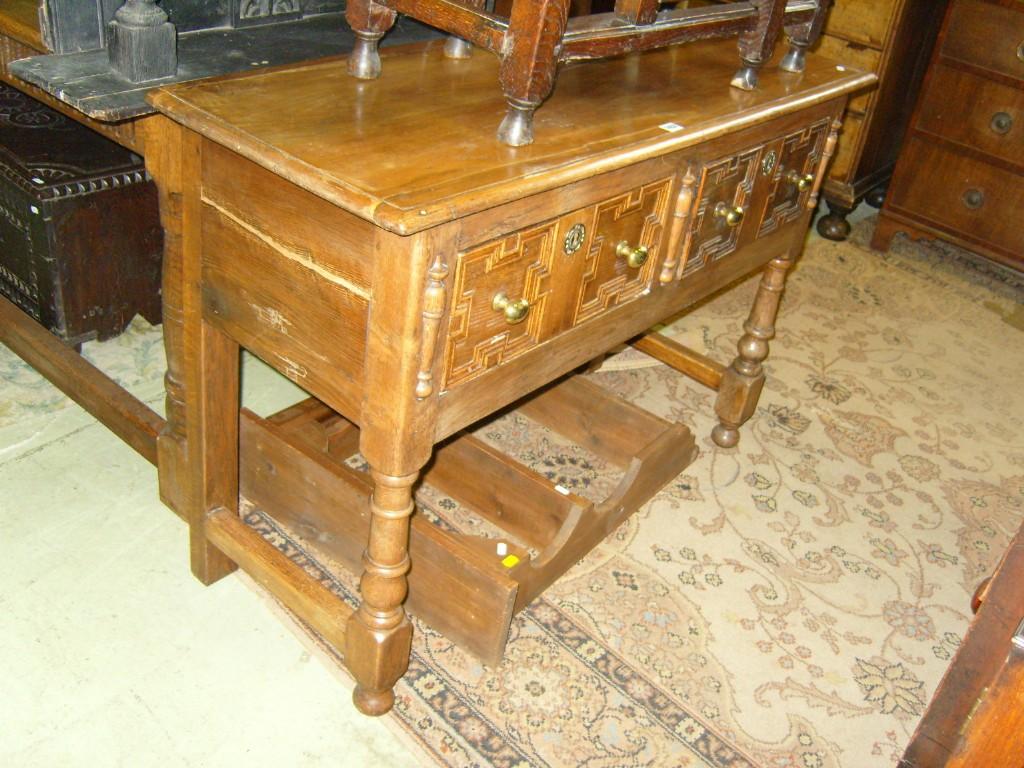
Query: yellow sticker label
{"points": [[510, 561]]}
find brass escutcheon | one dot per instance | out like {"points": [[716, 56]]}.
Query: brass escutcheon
{"points": [[768, 164], [635, 257], [1001, 123], [974, 198], [732, 215], [574, 239], [514, 311]]}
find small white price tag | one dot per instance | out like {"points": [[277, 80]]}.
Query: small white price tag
{"points": [[671, 127], [562, 490]]}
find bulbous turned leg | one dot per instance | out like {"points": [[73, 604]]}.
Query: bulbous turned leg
{"points": [[743, 380], [833, 225], [876, 197], [746, 76], [516, 128], [364, 61], [457, 48], [378, 636]]}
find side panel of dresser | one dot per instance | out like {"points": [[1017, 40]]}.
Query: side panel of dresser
{"points": [[893, 39], [960, 175]]}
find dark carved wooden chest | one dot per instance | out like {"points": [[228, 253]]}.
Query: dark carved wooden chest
{"points": [[80, 237]]}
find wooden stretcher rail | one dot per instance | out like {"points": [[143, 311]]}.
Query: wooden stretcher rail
{"points": [[126, 416], [698, 367], [308, 599]]}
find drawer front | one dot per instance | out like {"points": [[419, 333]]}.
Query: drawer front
{"points": [[969, 196], [988, 36], [986, 115], [510, 295], [792, 177], [517, 267], [866, 21], [726, 186]]}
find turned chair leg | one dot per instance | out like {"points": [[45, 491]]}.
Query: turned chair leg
{"points": [[528, 69], [369, 22], [803, 36], [743, 380], [758, 43], [378, 637]]}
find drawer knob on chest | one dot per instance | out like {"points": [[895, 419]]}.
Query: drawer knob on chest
{"points": [[732, 215], [974, 198], [635, 257], [1020, 50], [514, 311], [1001, 123], [801, 182]]}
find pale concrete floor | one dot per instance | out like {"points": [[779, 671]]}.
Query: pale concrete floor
{"points": [[111, 654]]}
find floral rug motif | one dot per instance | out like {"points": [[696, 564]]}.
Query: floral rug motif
{"points": [[789, 603]]}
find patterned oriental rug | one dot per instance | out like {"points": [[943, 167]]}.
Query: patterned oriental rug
{"points": [[789, 603]]}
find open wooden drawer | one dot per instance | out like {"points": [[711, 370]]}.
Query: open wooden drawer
{"points": [[293, 467]]}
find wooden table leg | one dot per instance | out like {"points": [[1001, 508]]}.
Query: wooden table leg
{"points": [[378, 638], [742, 382]]}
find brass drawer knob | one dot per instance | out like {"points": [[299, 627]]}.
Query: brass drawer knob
{"points": [[733, 215], [635, 257], [514, 311], [802, 183], [1020, 50], [1001, 123]]}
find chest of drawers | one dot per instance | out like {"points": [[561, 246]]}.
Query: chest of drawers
{"points": [[960, 175], [381, 250]]}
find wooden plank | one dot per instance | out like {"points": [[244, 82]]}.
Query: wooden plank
{"points": [[112, 405], [454, 586], [307, 598], [19, 19], [665, 456], [675, 355], [592, 417], [518, 500]]}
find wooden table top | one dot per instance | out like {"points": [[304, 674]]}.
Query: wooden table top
{"points": [[417, 147]]}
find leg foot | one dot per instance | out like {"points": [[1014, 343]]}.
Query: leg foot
{"points": [[364, 61], [457, 48], [745, 78], [876, 197], [725, 436], [516, 129], [373, 703], [794, 59], [833, 225]]}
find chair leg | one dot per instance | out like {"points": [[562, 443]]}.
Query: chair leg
{"points": [[803, 36], [528, 68], [758, 43], [369, 22]]}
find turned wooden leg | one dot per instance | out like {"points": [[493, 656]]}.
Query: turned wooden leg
{"points": [[876, 196], [378, 637], [528, 68], [369, 22], [758, 43], [742, 382], [803, 36], [833, 225]]}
